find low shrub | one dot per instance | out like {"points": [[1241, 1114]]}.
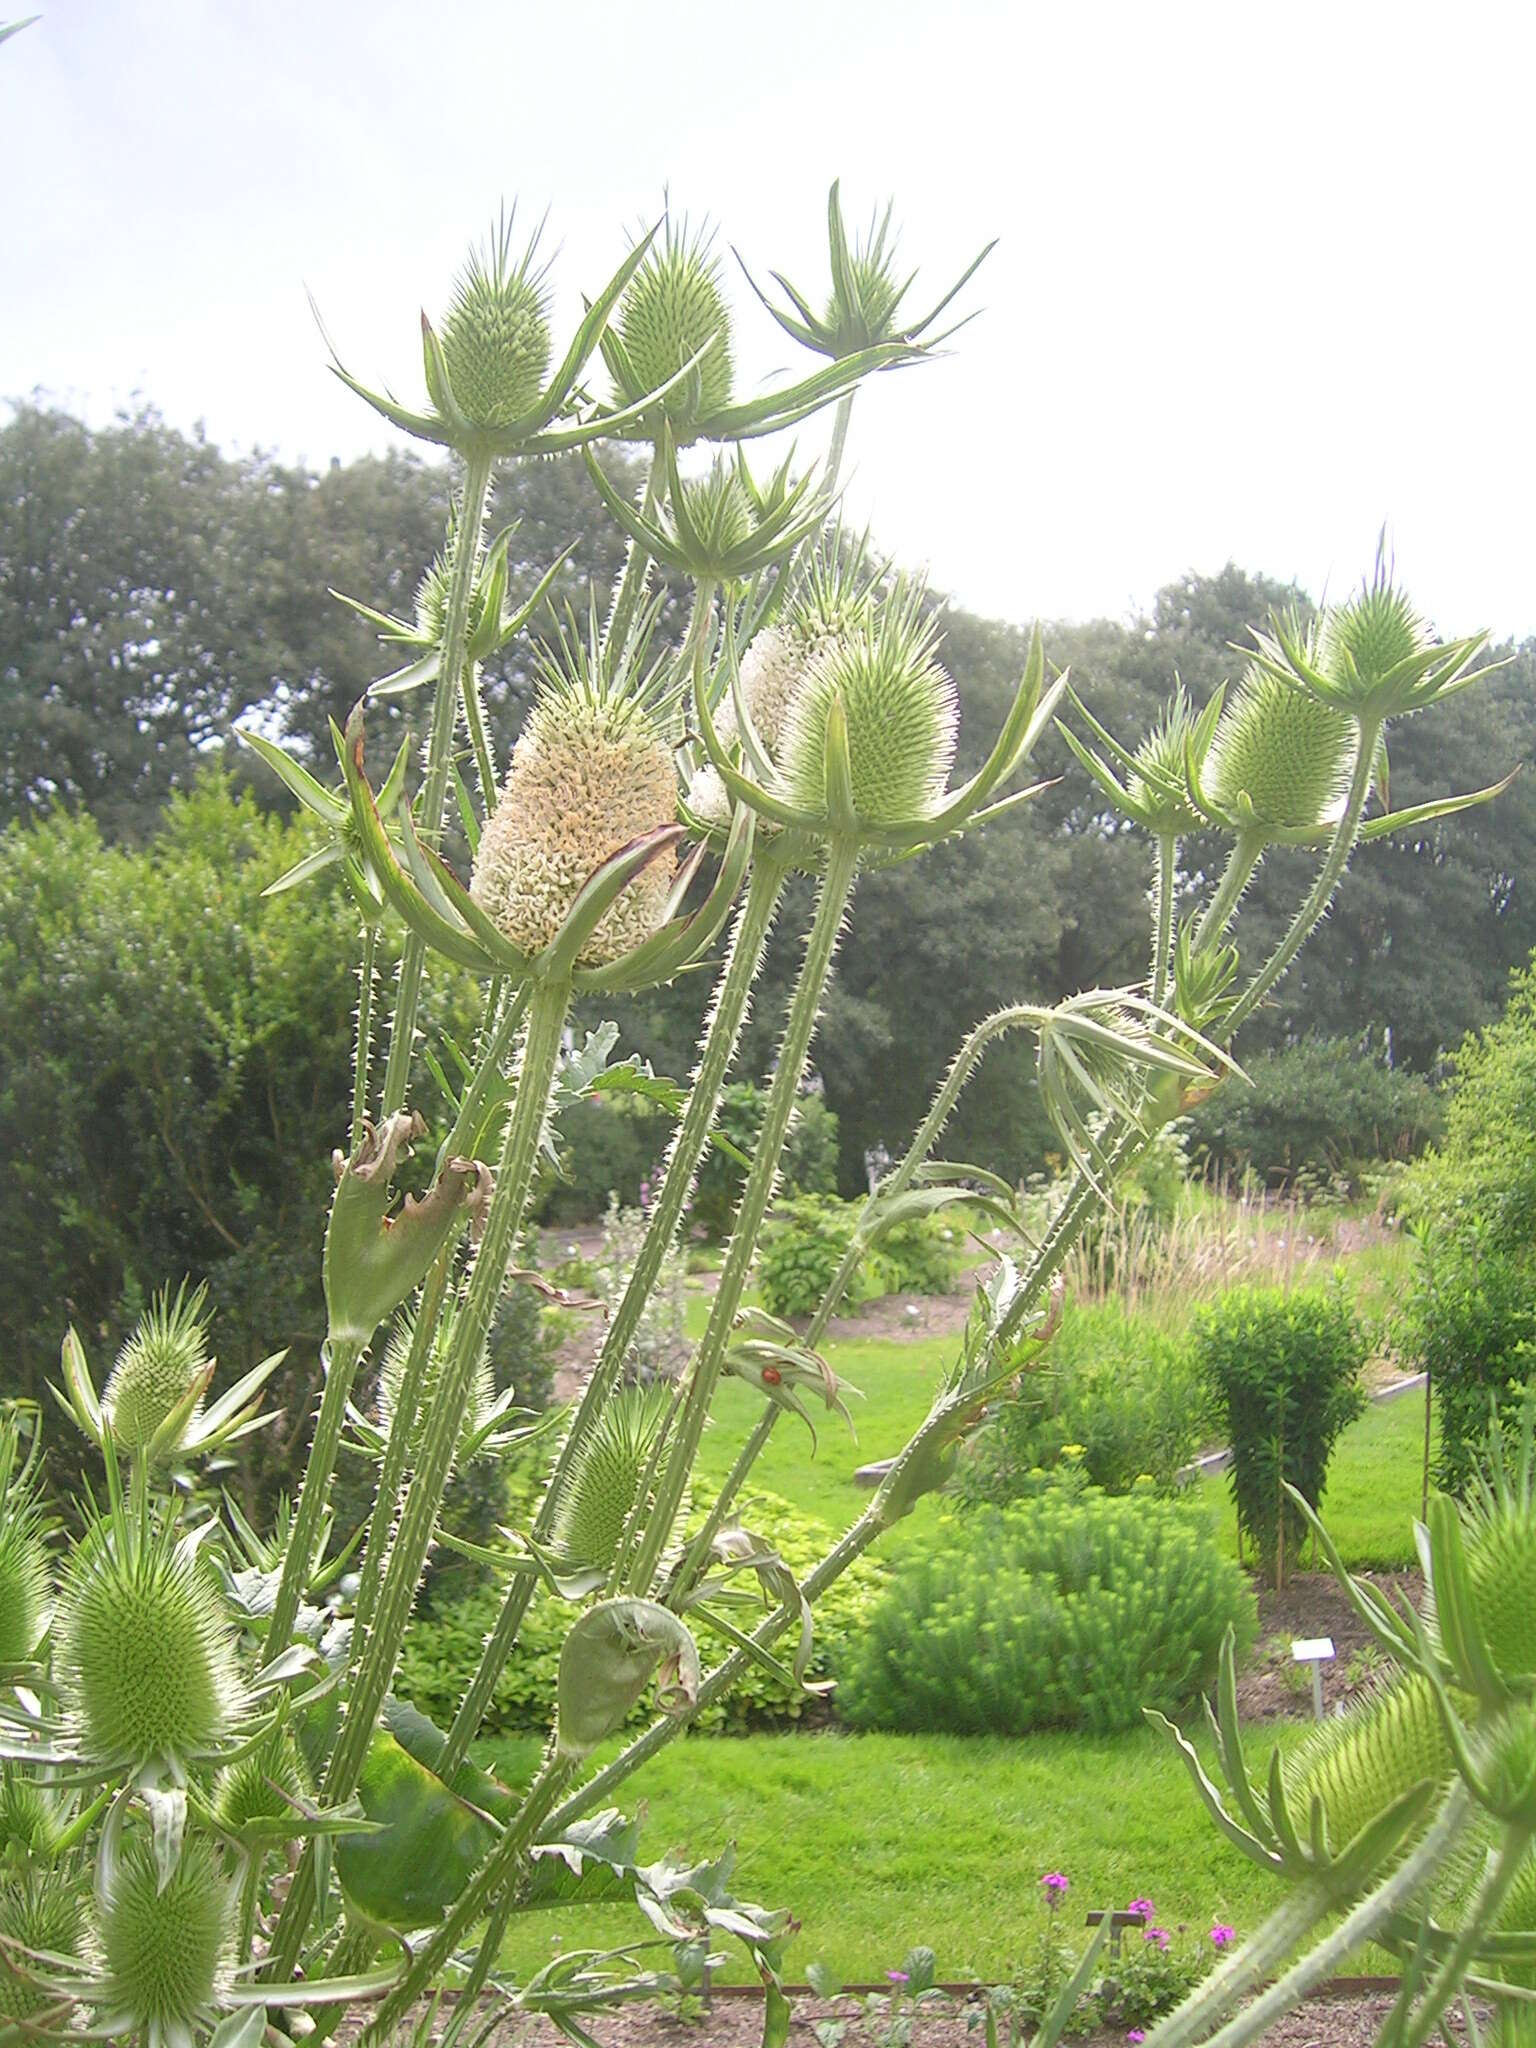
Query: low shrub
{"points": [[440, 1658], [1318, 1113], [801, 1251], [1285, 1372], [609, 1144], [919, 1255], [1074, 1610], [809, 1165], [1116, 1389]]}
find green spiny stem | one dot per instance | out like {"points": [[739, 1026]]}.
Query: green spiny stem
{"points": [[1162, 937], [479, 739], [1219, 912], [1259, 1957], [340, 1363], [495, 1048], [250, 1893], [637, 564], [838, 444], [396, 1450], [1481, 1916], [418, 1520], [1329, 876], [363, 1058], [478, 1895], [805, 1007], [746, 1458], [434, 790], [733, 992]]}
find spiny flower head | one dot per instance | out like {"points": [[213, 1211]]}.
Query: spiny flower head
{"points": [[1280, 760], [1356, 1767], [1157, 778], [599, 1493], [23, 1551], [165, 1952], [592, 771], [40, 1910], [157, 1367], [495, 338], [145, 1655], [27, 1817], [901, 711], [671, 309], [262, 1786]]}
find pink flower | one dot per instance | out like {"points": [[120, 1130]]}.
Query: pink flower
{"points": [[1144, 1907], [1137, 2034], [1055, 1884], [1221, 1934], [1158, 1934], [897, 1977]]}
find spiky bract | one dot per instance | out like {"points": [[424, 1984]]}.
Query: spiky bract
{"points": [[1159, 788], [145, 1656], [166, 1953], [41, 1911], [1280, 760], [587, 777], [1358, 1766], [901, 711], [496, 336], [673, 307], [482, 1391], [599, 1493], [155, 1369]]}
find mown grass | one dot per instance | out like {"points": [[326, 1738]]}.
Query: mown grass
{"points": [[878, 1842]]}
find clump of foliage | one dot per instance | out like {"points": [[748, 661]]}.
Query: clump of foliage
{"points": [[802, 1250], [1471, 1205], [1319, 1112], [1283, 1371], [658, 1348], [1073, 1610], [632, 825], [1120, 1393], [810, 1154]]}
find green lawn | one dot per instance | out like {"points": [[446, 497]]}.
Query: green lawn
{"points": [[877, 1842]]}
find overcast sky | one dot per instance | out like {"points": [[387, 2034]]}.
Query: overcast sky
{"points": [[1264, 277]]}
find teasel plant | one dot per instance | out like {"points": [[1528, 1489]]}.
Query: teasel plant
{"points": [[202, 1715]]}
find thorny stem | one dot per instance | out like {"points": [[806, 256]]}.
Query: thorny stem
{"points": [[418, 1520], [722, 1032], [637, 564], [445, 707], [838, 444], [1311, 913], [805, 1007], [1218, 913], [1162, 942], [340, 1362], [363, 1058]]}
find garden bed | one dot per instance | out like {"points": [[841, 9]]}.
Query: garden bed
{"points": [[1272, 1686]]}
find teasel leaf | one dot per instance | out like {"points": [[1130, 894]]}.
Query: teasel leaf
{"points": [[1210, 1797], [1442, 807], [428, 1842]]}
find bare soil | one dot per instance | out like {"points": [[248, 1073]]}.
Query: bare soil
{"points": [[1313, 1604], [1346, 2019]]}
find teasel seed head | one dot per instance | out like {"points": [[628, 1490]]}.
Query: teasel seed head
{"points": [[671, 309], [1359, 1765], [166, 1352], [495, 338], [1501, 1574], [1161, 757], [254, 1787], [482, 1392], [1280, 759], [41, 1910], [166, 1953], [28, 1821], [599, 1493], [901, 712], [145, 1655], [23, 1553], [592, 771]]}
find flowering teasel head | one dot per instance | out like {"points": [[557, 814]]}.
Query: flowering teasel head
{"points": [[145, 1656], [165, 1944], [592, 773], [1279, 762], [864, 310]]}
